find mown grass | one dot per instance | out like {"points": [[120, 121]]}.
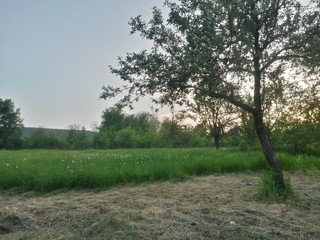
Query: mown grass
{"points": [[49, 170]]}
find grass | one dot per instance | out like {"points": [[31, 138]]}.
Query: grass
{"points": [[269, 191], [49, 170]]}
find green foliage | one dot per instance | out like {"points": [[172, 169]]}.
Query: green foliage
{"points": [[77, 137], [41, 139], [298, 129], [101, 140], [126, 138], [170, 133], [112, 122], [10, 125], [270, 191]]}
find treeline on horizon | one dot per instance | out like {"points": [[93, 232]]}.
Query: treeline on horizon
{"points": [[144, 130]]}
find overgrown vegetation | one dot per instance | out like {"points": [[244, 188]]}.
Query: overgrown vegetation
{"points": [[48, 170], [269, 191]]}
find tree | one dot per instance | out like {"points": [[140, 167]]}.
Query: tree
{"points": [[225, 50], [170, 133], [216, 115], [116, 125], [126, 138], [10, 125], [77, 137], [112, 122], [42, 138]]}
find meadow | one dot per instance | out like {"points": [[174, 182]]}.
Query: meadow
{"points": [[50, 170]]}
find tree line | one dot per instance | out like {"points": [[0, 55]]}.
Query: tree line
{"points": [[214, 124]]}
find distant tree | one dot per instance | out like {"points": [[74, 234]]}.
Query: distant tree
{"points": [[222, 49], [44, 140], [146, 128], [216, 115], [10, 125], [170, 133], [77, 137], [127, 138], [141, 128], [111, 122], [101, 140]]}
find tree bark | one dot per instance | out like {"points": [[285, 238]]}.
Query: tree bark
{"points": [[261, 130], [269, 151], [217, 141]]}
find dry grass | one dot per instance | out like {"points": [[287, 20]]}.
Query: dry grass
{"points": [[212, 207]]}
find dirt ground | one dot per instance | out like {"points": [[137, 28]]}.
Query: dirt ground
{"points": [[211, 207]]}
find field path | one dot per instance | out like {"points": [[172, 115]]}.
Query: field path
{"points": [[211, 207]]}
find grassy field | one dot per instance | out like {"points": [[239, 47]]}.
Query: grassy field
{"points": [[49, 170]]}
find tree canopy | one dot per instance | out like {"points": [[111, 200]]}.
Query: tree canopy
{"points": [[10, 125]]}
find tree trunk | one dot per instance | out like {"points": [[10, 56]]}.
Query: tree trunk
{"points": [[269, 151], [217, 141], [258, 115], [216, 136]]}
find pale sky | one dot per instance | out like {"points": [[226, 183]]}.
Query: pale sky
{"points": [[54, 56]]}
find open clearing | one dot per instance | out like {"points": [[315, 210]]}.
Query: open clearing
{"points": [[211, 207]]}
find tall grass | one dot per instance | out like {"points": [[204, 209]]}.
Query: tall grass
{"points": [[48, 170]]}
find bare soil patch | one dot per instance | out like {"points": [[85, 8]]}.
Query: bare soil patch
{"points": [[211, 207]]}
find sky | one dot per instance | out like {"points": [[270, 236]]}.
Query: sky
{"points": [[54, 56]]}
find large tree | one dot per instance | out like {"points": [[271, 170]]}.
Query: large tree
{"points": [[223, 49], [10, 125]]}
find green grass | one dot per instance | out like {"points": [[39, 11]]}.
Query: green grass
{"points": [[49, 170], [269, 191]]}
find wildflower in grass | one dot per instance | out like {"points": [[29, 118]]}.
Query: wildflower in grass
{"points": [[7, 164], [299, 158], [17, 167]]}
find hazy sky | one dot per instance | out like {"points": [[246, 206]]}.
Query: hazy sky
{"points": [[54, 56]]}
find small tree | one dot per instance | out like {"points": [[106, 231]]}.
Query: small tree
{"points": [[222, 49], [10, 125], [216, 115]]}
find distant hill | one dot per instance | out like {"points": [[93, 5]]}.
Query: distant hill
{"points": [[59, 133]]}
